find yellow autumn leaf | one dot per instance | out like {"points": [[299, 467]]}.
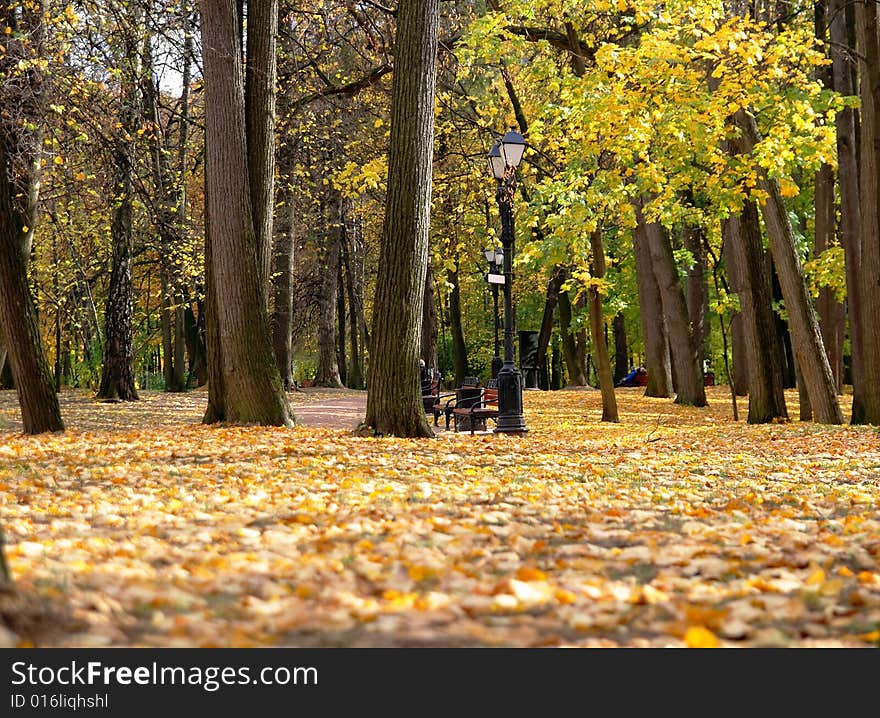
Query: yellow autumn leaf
{"points": [[700, 637], [817, 578]]}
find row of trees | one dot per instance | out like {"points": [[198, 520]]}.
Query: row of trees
{"points": [[701, 186]]}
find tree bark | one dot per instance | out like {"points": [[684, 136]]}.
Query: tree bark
{"points": [[696, 292], [394, 400], [459, 346], [843, 68], [657, 359], [327, 370], [247, 385], [806, 341], [869, 269], [761, 351], [117, 377], [621, 348], [18, 319], [577, 371], [428, 350], [282, 289], [351, 256], [690, 389], [554, 286], [832, 315], [597, 328], [259, 103]]}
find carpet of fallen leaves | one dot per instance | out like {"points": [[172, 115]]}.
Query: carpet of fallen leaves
{"points": [[676, 527]]}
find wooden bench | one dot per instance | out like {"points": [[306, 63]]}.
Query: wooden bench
{"points": [[473, 417], [465, 395]]}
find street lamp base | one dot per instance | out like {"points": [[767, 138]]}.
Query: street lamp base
{"points": [[510, 414]]}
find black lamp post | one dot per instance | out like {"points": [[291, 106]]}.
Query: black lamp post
{"points": [[504, 158], [495, 258]]}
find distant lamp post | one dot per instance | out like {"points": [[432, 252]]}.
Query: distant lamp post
{"points": [[504, 158], [495, 258]]}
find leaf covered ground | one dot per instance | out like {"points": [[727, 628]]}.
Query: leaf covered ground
{"points": [[675, 527]]}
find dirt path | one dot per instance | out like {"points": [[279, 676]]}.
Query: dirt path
{"points": [[331, 411], [317, 407]]}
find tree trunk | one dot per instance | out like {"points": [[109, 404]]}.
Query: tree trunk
{"points": [[597, 328], [657, 360], [246, 383], [843, 67], [428, 350], [117, 377], [459, 347], [259, 108], [806, 341], [832, 315], [340, 317], [760, 347], [556, 366], [327, 370], [195, 341], [577, 371], [282, 285], [690, 389], [18, 319], [394, 401], [351, 256], [551, 298], [738, 352], [869, 269], [697, 293], [621, 348]]}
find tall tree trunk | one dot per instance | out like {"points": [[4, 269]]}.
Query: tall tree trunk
{"points": [[169, 218], [556, 365], [761, 350], [259, 104], [869, 177], [20, 162], [194, 326], [327, 370], [351, 256], [459, 346], [244, 382], [597, 328], [696, 292], [394, 401], [806, 341], [832, 315], [621, 348], [577, 371], [657, 359], [19, 329], [428, 350], [340, 316], [740, 357], [690, 389], [554, 286], [282, 281], [581, 342], [32, 375], [843, 67], [117, 377]]}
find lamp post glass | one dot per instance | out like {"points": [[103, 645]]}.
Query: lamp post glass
{"points": [[504, 157]]}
